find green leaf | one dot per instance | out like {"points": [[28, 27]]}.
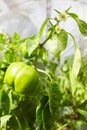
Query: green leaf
{"points": [[12, 123], [77, 62], [73, 15], [14, 100], [9, 56], [43, 54], [54, 98], [43, 27], [32, 44], [82, 112], [2, 38], [25, 39], [20, 118], [57, 43], [5, 103], [4, 120], [82, 26], [39, 116], [81, 23], [28, 110], [47, 119], [39, 111], [50, 31], [52, 66], [80, 125], [3, 67], [75, 69], [15, 38]]}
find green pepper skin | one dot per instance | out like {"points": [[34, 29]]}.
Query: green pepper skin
{"points": [[23, 78]]}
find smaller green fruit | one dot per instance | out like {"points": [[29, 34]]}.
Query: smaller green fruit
{"points": [[65, 68]]}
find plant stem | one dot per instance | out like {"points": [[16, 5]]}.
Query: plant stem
{"points": [[73, 39], [44, 42], [36, 57], [44, 72]]}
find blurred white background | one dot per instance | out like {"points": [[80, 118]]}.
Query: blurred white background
{"points": [[22, 16], [26, 16]]}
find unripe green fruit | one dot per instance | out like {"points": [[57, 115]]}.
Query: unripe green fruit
{"points": [[25, 79]]}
